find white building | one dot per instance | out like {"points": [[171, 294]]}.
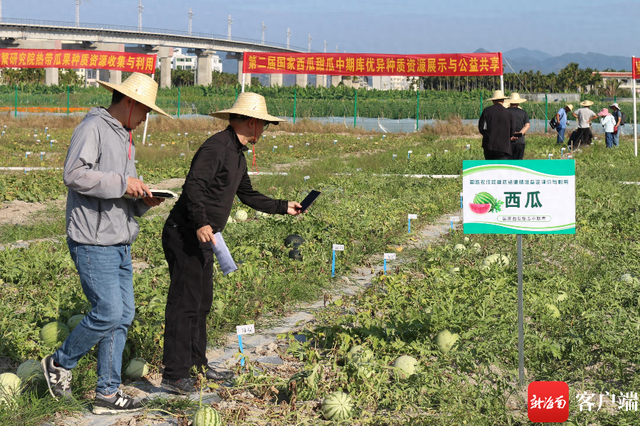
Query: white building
{"points": [[393, 82], [183, 61]]}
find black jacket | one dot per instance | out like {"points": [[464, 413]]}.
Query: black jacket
{"points": [[496, 126], [218, 172]]}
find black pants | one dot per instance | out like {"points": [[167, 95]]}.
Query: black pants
{"points": [[584, 136], [188, 302], [517, 151], [496, 155]]}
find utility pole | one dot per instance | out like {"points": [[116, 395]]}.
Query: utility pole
{"points": [[229, 21], [140, 9], [190, 19], [325, 46], [78, 2], [264, 28], [337, 50], [288, 36], [0, 10], [310, 39]]}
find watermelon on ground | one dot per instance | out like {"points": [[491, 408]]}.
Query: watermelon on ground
{"points": [[337, 406]]}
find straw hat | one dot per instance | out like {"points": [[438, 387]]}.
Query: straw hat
{"points": [[569, 106], [497, 95], [251, 105], [586, 103], [516, 99], [139, 87], [506, 103]]}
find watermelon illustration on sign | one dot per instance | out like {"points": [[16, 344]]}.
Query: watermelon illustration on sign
{"points": [[485, 203]]}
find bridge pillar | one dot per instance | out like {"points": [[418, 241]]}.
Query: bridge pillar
{"points": [[205, 68], [238, 57], [275, 80], [51, 76], [321, 80], [165, 72], [115, 77], [301, 80], [335, 80]]}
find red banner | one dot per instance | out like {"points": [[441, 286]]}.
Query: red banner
{"points": [[360, 64], [635, 67], [77, 59]]}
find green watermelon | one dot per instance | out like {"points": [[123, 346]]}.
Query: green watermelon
{"points": [[446, 341], [9, 386], [359, 354], [136, 369], [54, 333], [30, 371], [337, 406], [207, 416], [483, 198], [241, 215], [74, 321], [459, 247], [406, 366]]}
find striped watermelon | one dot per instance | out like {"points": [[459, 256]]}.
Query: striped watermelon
{"points": [[337, 406], [483, 198], [207, 416]]}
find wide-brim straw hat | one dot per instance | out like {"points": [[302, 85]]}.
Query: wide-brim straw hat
{"points": [[497, 95], [251, 105], [515, 99], [586, 103], [139, 87], [569, 106]]}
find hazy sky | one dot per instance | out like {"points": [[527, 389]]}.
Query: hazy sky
{"points": [[402, 26]]}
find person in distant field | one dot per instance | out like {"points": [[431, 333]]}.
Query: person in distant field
{"points": [[561, 119], [617, 118], [218, 173], [584, 116], [497, 127], [522, 125], [100, 171], [608, 123]]}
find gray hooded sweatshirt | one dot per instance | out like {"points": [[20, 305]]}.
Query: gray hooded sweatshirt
{"points": [[99, 162]]}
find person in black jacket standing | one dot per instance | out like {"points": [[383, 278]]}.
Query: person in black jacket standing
{"points": [[218, 173], [497, 127]]}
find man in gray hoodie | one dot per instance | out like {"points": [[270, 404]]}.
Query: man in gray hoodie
{"points": [[104, 196]]}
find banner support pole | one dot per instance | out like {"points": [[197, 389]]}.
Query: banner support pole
{"points": [[243, 81], [146, 120], [520, 315], [635, 117]]}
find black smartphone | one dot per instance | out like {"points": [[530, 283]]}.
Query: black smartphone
{"points": [[309, 199], [517, 135]]}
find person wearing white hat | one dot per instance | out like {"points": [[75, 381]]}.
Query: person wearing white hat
{"points": [[497, 127], [617, 117], [100, 171], [218, 173], [522, 125], [584, 116]]}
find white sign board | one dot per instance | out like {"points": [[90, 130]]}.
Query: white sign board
{"points": [[338, 247], [245, 329], [389, 256]]}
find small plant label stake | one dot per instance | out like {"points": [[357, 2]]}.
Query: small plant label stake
{"points": [[274, 148], [409, 155], [290, 146], [41, 155], [411, 216], [562, 151], [306, 144], [336, 247], [334, 141], [161, 145], [388, 256], [26, 154], [550, 155], [306, 178], [394, 157], [181, 155], [468, 146], [461, 206], [446, 150], [240, 330], [454, 219], [428, 155]]}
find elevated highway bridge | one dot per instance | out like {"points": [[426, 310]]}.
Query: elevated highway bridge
{"points": [[33, 34]]}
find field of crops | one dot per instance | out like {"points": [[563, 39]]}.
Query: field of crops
{"points": [[286, 101], [582, 297]]}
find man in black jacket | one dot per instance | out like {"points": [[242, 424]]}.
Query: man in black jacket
{"points": [[497, 127], [218, 173]]}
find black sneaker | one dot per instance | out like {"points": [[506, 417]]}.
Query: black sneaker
{"points": [[118, 403], [58, 378], [183, 386], [212, 374]]}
